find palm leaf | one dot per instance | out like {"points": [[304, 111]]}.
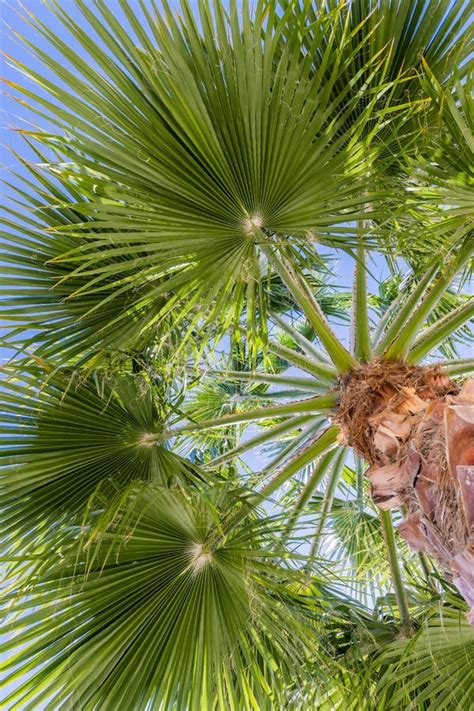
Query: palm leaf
{"points": [[49, 308], [404, 36], [65, 440], [434, 669], [210, 138], [440, 176], [224, 636]]}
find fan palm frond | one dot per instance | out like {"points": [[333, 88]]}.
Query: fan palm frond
{"points": [[64, 440], [404, 36], [434, 668], [440, 176], [209, 139], [186, 169], [52, 311], [225, 633]]}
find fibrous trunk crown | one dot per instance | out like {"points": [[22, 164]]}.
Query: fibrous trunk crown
{"points": [[415, 428]]}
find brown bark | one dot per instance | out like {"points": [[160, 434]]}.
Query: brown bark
{"points": [[416, 429]]}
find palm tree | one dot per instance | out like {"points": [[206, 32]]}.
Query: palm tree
{"points": [[173, 306]]}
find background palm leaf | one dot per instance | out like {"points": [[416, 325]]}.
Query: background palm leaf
{"points": [[434, 669]]}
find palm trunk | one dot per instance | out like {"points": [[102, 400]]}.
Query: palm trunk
{"points": [[416, 429]]}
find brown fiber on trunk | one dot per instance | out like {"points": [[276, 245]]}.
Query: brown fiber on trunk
{"points": [[415, 428]]}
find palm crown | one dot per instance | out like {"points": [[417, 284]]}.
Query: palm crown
{"points": [[194, 174]]}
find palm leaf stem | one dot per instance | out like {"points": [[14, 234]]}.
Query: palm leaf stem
{"points": [[397, 580], [299, 383], [322, 403], [262, 438], [408, 329], [319, 369], [333, 480], [308, 347], [360, 319], [400, 309], [326, 441], [342, 359], [462, 366], [427, 572], [309, 453], [433, 336], [359, 468], [318, 472], [315, 449]]}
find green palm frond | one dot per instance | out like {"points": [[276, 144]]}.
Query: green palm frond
{"points": [[194, 176], [209, 139], [161, 611], [404, 35], [53, 311], [432, 670], [64, 440], [441, 176], [452, 170], [452, 299]]}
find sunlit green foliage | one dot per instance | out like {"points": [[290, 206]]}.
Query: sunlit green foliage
{"points": [[171, 290]]}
